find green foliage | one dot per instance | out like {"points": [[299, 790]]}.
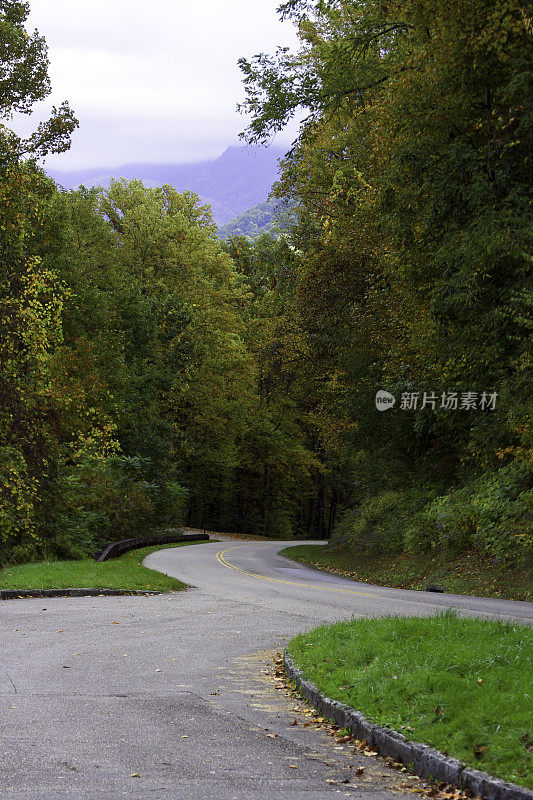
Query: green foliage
{"points": [[24, 61], [493, 514], [141, 358], [111, 499], [410, 183], [24, 81], [385, 523], [254, 222], [120, 355], [32, 298]]}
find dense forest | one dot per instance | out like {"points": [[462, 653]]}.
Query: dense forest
{"points": [[254, 223], [151, 374]]}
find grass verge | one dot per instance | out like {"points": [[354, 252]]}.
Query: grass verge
{"points": [[470, 573], [460, 685], [125, 572]]}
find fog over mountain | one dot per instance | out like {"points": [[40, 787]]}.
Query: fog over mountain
{"points": [[236, 181]]}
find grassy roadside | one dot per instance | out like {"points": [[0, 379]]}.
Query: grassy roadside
{"points": [[460, 685], [125, 572], [469, 573]]}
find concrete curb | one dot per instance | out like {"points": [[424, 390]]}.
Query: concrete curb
{"points": [[425, 761], [14, 594]]}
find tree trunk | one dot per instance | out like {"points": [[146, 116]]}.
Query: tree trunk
{"points": [[310, 517], [320, 510], [332, 511]]}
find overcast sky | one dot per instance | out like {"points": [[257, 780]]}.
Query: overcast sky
{"points": [[152, 81]]}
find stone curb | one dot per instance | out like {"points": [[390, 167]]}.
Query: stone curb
{"points": [[14, 594], [424, 760]]}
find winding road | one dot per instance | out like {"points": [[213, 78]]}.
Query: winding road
{"points": [[173, 696]]}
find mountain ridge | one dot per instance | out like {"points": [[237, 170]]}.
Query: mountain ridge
{"points": [[239, 179]]}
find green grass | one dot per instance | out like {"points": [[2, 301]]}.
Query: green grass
{"points": [[470, 573], [125, 572], [463, 686]]}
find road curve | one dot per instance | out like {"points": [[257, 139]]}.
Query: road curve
{"points": [[166, 697], [254, 571]]}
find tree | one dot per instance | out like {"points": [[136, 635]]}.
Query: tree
{"points": [[410, 178], [24, 81], [32, 296]]}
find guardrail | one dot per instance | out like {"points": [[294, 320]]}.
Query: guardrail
{"points": [[114, 549]]}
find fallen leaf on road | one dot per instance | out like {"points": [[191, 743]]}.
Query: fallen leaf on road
{"points": [[359, 770], [330, 781], [272, 735], [294, 722], [293, 766], [135, 775]]}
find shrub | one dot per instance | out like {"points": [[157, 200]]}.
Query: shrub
{"points": [[492, 514], [380, 524], [107, 499], [17, 497]]}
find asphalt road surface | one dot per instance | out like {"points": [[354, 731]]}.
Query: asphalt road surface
{"points": [[172, 697]]}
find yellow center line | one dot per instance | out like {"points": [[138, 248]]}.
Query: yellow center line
{"points": [[225, 563]]}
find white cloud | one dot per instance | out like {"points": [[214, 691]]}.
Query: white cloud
{"points": [[154, 82]]}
